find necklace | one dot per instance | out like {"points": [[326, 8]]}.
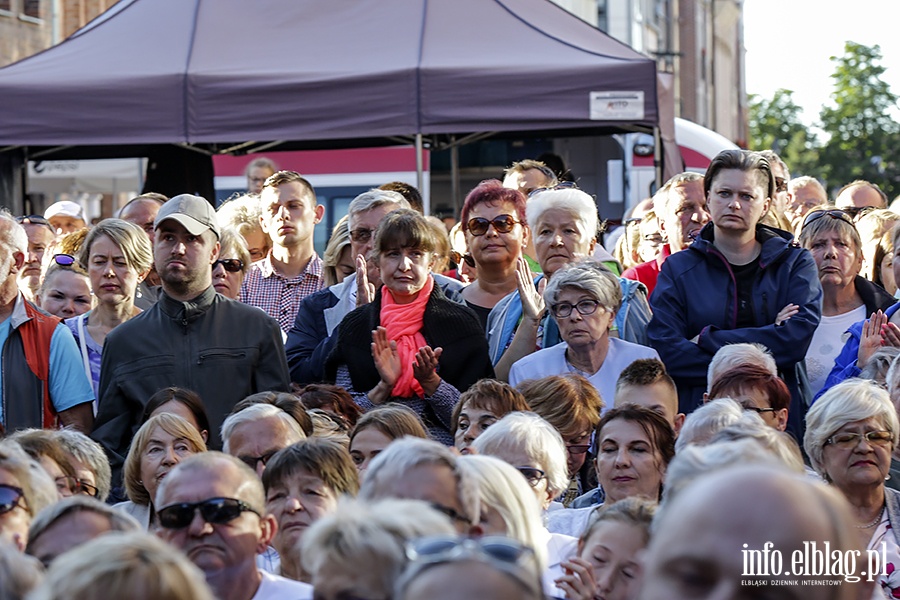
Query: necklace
{"points": [[873, 523]]}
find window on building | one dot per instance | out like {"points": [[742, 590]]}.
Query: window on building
{"points": [[6, 5], [31, 8]]}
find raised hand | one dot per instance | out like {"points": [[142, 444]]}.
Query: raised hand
{"points": [[387, 360], [532, 298], [365, 291], [425, 368], [578, 582], [786, 313], [871, 338]]}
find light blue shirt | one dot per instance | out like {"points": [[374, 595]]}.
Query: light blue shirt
{"points": [[69, 385]]}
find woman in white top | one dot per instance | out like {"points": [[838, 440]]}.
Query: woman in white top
{"points": [[834, 242]]}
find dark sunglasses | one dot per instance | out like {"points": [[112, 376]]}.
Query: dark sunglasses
{"points": [[35, 220], [578, 448], [780, 184], [458, 258], [502, 224], [232, 265], [361, 235], [64, 260], [252, 461], [10, 498], [562, 185], [214, 511], [856, 212], [532, 475], [834, 213]]}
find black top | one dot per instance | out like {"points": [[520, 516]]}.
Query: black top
{"points": [[482, 314], [744, 276]]}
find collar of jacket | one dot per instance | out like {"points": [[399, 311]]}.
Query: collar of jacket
{"points": [[775, 243], [176, 309]]}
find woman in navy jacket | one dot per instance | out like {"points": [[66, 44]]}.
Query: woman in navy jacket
{"points": [[731, 284]]}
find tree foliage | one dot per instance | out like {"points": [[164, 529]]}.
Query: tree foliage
{"points": [[775, 125], [862, 132]]}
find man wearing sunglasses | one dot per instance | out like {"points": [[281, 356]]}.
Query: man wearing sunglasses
{"points": [[212, 507], [42, 380], [857, 196]]}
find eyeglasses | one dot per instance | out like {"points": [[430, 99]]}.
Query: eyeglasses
{"points": [[758, 410], [532, 475], [214, 511], [64, 260], [780, 184], [562, 185], [460, 258], [578, 448], [361, 235], [494, 548], [856, 212], [232, 265], [10, 498], [75, 486], [584, 308], [479, 226], [834, 213], [35, 220], [454, 514], [850, 440], [252, 461]]}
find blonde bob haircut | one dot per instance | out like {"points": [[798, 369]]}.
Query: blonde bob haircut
{"points": [[131, 240], [175, 426], [848, 401], [134, 565]]}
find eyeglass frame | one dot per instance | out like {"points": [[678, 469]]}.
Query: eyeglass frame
{"points": [[856, 438], [67, 259], [562, 185], [264, 459], [222, 261], [532, 481], [197, 506], [837, 214], [508, 224], [554, 309], [35, 220], [361, 235], [20, 502]]}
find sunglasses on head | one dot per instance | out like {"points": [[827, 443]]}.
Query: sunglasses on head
{"points": [[64, 260], [10, 498], [478, 226], [494, 548], [834, 213], [215, 511], [856, 212], [35, 220], [562, 185], [232, 265]]}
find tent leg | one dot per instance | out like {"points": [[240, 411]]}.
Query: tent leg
{"points": [[454, 176], [420, 175], [658, 156]]}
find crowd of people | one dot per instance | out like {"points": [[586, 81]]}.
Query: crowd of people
{"points": [[196, 405]]}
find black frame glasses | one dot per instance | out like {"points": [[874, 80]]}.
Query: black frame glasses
{"points": [[577, 449], [834, 213], [562, 185], [458, 258], [11, 497], [253, 461], [361, 235], [584, 307], [532, 475], [479, 226], [215, 511], [35, 220], [232, 265]]}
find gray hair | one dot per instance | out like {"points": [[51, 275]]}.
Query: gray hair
{"points": [[19, 573], [362, 532], [130, 239], [807, 181], [730, 356], [250, 489], [407, 453], [256, 412], [702, 424], [575, 202], [375, 198], [878, 367], [590, 276], [502, 487], [13, 236], [531, 435], [752, 427], [849, 401], [117, 519], [89, 452], [662, 197]]}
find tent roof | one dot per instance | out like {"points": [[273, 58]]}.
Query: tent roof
{"points": [[228, 71]]}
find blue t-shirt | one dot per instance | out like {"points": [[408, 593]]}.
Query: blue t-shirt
{"points": [[69, 386]]}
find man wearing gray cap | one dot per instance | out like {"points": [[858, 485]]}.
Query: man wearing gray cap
{"points": [[192, 337]]}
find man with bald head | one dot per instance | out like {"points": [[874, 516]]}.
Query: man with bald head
{"points": [[859, 195], [703, 538], [212, 507]]}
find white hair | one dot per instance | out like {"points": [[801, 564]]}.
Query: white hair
{"points": [[401, 456], [89, 452], [502, 487], [375, 198], [575, 202], [531, 435], [849, 401], [256, 412], [734, 355], [13, 236], [702, 424]]}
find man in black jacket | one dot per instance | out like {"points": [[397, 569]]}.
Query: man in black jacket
{"points": [[192, 337]]}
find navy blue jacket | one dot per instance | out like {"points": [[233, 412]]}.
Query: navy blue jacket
{"points": [[695, 311]]}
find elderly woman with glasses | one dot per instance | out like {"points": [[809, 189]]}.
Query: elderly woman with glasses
{"points": [[851, 431], [583, 299], [117, 256], [834, 242], [563, 222], [232, 265], [496, 234]]}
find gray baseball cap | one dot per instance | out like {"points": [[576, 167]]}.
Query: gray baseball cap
{"points": [[192, 212]]}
